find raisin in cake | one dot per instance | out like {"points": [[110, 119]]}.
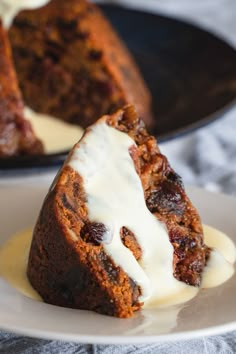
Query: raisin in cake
{"points": [[71, 64], [116, 226], [16, 133]]}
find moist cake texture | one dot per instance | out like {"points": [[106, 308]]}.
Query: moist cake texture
{"points": [[71, 64], [16, 134], [68, 263]]}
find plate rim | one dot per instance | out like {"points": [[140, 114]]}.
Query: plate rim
{"points": [[51, 334], [114, 340]]}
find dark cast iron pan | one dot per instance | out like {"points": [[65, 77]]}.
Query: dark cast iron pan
{"points": [[191, 74]]}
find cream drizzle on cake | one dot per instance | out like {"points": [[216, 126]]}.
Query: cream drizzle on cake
{"points": [[10, 8], [14, 258], [115, 198]]}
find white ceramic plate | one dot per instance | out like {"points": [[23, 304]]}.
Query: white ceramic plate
{"points": [[212, 311]]}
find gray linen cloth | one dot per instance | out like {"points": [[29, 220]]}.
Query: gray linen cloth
{"points": [[206, 158]]}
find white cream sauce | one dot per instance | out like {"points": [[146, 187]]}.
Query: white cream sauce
{"points": [[115, 198], [10, 8], [13, 263], [219, 267], [55, 134], [14, 257]]}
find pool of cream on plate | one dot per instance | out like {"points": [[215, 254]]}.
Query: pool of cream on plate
{"points": [[115, 197], [14, 256]]}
